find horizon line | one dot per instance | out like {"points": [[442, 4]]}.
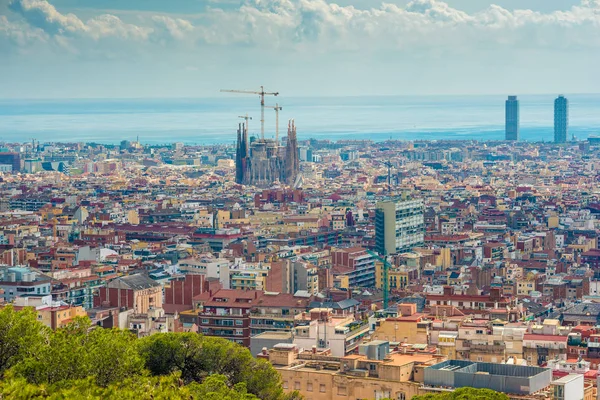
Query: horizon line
{"points": [[300, 96]]}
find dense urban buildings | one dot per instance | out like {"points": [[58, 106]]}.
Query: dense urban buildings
{"points": [[367, 270], [561, 119], [512, 118]]}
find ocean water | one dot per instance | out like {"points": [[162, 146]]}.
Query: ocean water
{"points": [[210, 121]]}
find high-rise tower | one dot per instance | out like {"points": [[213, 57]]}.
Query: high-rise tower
{"points": [[561, 119], [512, 118], [399, 225]]}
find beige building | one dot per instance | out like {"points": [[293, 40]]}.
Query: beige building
{"points": [[375, 375], [408, 327]]}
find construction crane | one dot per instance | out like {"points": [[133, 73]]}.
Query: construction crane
{"points": [[386, 279], [262, 95], [247, 118], [277, 109]]}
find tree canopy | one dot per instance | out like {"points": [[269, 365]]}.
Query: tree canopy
{"points": [[465, 394], [82, 361]]}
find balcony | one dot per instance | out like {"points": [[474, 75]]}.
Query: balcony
{"points": [[277, 326]]}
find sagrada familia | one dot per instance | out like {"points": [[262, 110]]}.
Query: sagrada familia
{"points": [[262, 162]]}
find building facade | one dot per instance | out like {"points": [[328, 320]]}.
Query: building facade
{"points": [[512, 118], [399, 226], [561, 119]]}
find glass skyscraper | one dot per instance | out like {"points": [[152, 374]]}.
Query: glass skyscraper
{"points": [[561, 119], [512, 118]]}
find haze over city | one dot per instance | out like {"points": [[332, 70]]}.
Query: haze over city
{"points": [[141, 49]]}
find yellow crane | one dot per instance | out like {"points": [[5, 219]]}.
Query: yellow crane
{"points": [[262, 95]]}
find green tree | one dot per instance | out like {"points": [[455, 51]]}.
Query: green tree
{"points": [[171, 352], [81, 361], [136, 388], [264, 381], [21, 336], [198, 357], [78, 351], [465, 394]]}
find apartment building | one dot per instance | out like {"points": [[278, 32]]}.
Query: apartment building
{"points": [[325, 330], [354, 266], [226, 314], [375, 373]]}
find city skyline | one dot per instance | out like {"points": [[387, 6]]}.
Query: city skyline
{"points": [[303, 48]]}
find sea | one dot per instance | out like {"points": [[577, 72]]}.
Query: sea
{"points": [[209, 121]]}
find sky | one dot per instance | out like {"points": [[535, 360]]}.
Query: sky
{"points": [[193, 48]]}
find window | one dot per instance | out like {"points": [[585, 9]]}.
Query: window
{"points": [[285, 384], [401, 396], [341, 391], [309, 387], [204, 321], [296, 385], [239, 322], [322, 388], [239, 332]]}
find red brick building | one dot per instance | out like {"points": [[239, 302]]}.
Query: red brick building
{"points": [[226, 314]]}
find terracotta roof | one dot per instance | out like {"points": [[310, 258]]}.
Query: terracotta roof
{"points": [[545, 338]]}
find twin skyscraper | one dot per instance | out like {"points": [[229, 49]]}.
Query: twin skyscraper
{"points": [[561, 119]]}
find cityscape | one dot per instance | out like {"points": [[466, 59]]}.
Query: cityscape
{"points": [[407, 208], [340, 263]]}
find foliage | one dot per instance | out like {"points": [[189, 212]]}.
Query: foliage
{"points": [[138, 387], [21, 336], [465, 394], [78, 352], [198, 357], [81, 361]]}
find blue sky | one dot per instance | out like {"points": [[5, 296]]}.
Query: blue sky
{"points": [[192, 48]]}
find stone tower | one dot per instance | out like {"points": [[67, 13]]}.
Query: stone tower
{"points": [[292, 163]]}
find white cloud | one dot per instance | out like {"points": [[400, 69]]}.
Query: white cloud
{"points": [[14, 37], [41, 14], [176, 28], [320, 26]]}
